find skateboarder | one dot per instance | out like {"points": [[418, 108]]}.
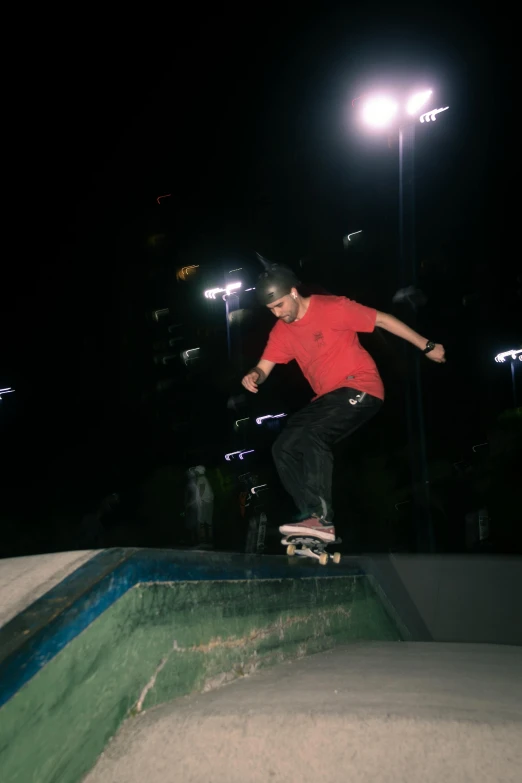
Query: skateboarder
{"points": [[320, 333]]}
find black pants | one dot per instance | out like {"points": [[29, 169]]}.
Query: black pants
{"points": [[302, 453]]}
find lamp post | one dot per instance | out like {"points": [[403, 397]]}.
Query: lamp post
{"points": [[229, 290], [514, 356], [403, 111]]}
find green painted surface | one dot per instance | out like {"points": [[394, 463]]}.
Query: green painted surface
{"points": [[162, 641]]}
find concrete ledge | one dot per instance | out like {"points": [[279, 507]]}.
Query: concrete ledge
{"points": [[191, 622], [25, 579], [36, 635]]}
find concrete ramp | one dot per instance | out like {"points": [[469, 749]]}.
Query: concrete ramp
{"points": [[379, 712], [131, 629], [140, 641]]}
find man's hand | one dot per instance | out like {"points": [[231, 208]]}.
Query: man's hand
{"points": [[251, 380], [438, 354]]}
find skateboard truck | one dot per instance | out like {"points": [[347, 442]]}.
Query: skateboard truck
{"points": [[311, 546]]}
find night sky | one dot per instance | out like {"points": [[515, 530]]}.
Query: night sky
{"points": [[244, 117]]}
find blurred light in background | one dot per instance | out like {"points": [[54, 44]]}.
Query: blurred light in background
{"points": [[7, 390], [212, 292], [261, 419], [186, 271], [190, 355], [231, 454], [158, 315]]}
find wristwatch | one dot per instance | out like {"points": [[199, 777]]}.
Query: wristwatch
{"points": [[429, 347]]}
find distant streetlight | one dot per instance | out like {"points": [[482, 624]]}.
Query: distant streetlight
{"points": [[227, 291], [7, 390], [261, 419], [186, 271], [501, 357], [186, 355], [211, 293], [431, 116], [240, 454], [512, 356], [352, 239]]}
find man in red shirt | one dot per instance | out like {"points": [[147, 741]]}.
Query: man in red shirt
{"points": [[320, 333]]}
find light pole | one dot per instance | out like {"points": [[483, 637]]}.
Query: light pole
{"points": [[403, 111], [514, 356], [229, 290]]}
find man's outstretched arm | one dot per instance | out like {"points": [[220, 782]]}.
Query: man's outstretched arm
{"points": [[393, 325], [257, 375]]}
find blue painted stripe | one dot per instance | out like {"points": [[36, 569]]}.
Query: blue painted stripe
{"points": [[46, 627], [22, 627]]}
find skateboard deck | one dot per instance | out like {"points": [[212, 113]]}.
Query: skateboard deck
{"points": [[311, 546]]}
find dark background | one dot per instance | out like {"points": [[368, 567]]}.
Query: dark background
{"points": [[244, 118]]}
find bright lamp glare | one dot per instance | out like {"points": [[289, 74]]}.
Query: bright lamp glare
{"points": [[515, 353], [379, 111], [211, 292], [417, 101]]}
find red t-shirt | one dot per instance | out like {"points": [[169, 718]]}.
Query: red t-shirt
{"points": [[325, 345]]}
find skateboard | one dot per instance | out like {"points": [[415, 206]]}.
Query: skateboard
{"points": [[311, 546]]}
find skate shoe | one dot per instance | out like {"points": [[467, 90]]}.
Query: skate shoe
{"points": [[313, 526]]}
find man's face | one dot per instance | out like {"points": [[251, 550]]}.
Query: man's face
{"points": [[285, 308]]}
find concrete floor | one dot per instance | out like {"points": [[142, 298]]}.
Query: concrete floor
{"points": [[381, 712], [25, 579]]}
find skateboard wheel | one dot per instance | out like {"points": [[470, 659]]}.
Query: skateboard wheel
{"points": [[336, 557], [323, 558], [290, 550]]}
